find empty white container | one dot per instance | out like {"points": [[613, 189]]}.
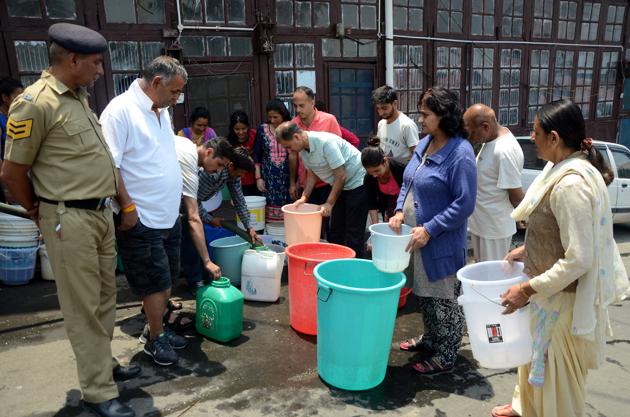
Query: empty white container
{"points": [[388, 247], [261, 271], [497, 341]]}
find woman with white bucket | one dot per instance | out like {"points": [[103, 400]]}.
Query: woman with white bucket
{"points": [[436, 198], [573, 263]]}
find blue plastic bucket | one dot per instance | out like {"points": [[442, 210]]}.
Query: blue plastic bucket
{"points": [[213, 233], [228, 253], [17, 265], [356, 313]]}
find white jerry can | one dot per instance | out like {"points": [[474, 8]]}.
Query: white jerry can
{"points": [[261, 272]]}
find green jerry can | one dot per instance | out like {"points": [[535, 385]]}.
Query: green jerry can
{"points": [[219, 311]]}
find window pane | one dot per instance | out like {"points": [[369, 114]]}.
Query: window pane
{"points": [[150, 11], [124, 56], [303, 14], [240, 46], [400, 55], [122, 82], [321, 15], [150, 51], [236, 11], [488, 25], [216, 45], [120, 11], [284, 82], [416, 19], [622, 160], [350, 15], [350, 48], [32, 56], [283, 55], [442, 21], [456, 22], [304, 55], [284, 13], [368, 17], [305, 78], [476, 24], [192, 45], [61, 9], [214, 11], [331, 47], [368, 49], [24, 8], [191, 11], [400, 18]]}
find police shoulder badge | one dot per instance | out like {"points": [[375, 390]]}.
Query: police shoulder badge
{"points": [[19, 130]]}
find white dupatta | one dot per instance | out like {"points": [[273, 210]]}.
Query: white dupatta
{"points": [[606, 280]]}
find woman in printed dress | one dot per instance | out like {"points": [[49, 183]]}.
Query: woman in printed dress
{"points": [[272, 162]]}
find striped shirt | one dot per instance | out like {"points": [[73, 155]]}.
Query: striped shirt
{"points": [[210, 184]]}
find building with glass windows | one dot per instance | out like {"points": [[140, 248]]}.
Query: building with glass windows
{"points": [[513, 55]]}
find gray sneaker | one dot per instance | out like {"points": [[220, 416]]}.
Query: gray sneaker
{"points": [[176, 341], [160, 350]]}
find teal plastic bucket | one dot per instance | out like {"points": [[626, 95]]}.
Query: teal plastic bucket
{"points": [[228, 253], [356, 313]]}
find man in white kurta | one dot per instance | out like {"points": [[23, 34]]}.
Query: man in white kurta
{"points": [[499, 188]]}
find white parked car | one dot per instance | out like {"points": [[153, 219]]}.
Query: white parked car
{"points": [[616, 156]]}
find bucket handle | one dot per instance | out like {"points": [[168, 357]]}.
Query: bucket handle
{"points": [[326, 289], [472, 287], [306, 267]]}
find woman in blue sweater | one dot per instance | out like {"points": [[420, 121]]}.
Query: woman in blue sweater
{"points": [[437, 196]]}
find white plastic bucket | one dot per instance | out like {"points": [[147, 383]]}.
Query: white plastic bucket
{"points": [[16, 232], [497, 341], [261, 272], [388, 247], [256, 207], [276, 231], [46, 268]]}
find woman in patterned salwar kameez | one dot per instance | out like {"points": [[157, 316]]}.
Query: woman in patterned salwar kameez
{"points": [[573, 264]]}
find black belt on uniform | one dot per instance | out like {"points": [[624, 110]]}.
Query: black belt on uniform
{"points": [[89, 204]]}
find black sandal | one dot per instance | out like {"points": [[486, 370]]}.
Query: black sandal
{"points": [[179, 324], [171, 306]]}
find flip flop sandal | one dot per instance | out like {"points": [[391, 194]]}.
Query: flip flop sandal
{"points": [[181, 324], [504, 410], [413, 345], [171, 306], [431, 367]]}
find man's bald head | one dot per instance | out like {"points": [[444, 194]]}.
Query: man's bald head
{"points": [[480, 122]]}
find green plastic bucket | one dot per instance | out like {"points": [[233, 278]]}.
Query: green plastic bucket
{"points": [[356, 313], [228, 253]]}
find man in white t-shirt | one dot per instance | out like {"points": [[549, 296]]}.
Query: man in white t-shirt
{"points": [[213, 156], [137, 128], [397, 132], [499, 188]]}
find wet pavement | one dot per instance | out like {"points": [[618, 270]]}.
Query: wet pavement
{"points": [[270, 371]]}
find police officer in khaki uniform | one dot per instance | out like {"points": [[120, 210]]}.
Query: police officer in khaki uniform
{"points": [[53, 134]]}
